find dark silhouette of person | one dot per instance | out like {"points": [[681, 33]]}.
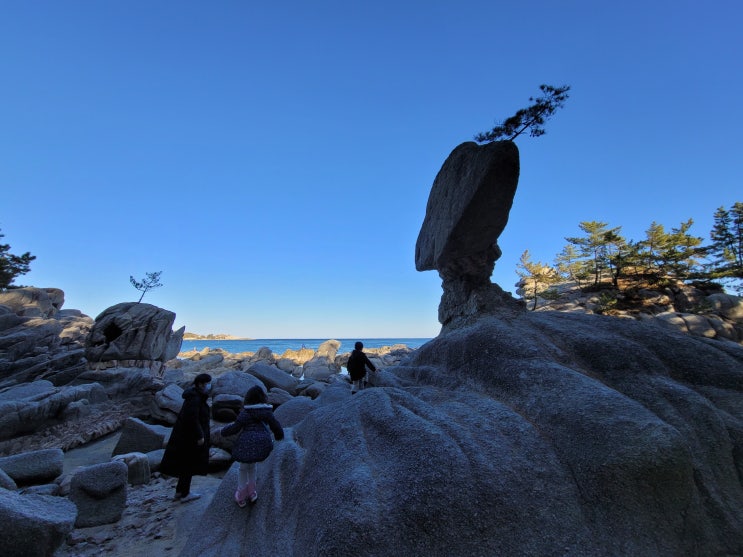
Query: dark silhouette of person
{"points": [[356, 366], [187, 453]]}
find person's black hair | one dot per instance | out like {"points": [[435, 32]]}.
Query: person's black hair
{"points": [[202, 378], [255, 395], [359, 346]]}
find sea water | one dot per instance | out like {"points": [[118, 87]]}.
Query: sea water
{"points": [[280, 345]]}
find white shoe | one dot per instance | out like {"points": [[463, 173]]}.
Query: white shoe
{"points": [[190, 497]]}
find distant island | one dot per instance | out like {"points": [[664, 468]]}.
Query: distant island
{"points": [[195, 336]]}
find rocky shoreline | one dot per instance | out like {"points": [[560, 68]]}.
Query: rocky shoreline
{"points": [[511, 433]]}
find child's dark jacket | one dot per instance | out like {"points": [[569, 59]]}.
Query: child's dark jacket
{"points": [[254, 443]]}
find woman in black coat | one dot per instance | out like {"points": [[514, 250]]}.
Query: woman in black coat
{"points": [[187, 453]]}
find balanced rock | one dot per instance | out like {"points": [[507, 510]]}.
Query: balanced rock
{"points": [[134, 331], [467, 211]]}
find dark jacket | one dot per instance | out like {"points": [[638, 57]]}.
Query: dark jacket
{"points": [[254, 443], [357, 364], [183, 457]]}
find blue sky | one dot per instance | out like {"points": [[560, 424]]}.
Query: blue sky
{"points": [[274, 160]]}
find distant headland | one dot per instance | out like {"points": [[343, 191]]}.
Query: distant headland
{"points": [[195, 336]]}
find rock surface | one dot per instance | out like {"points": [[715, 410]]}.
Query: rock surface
{"points": [[516, 436], [133, 331], [34, 525], [466, 212], [99, 493], [39, 340]]}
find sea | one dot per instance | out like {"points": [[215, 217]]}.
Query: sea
{"points": [[281, 345]]}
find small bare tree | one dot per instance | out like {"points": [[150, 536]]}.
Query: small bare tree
{"points": [[152, 280]]}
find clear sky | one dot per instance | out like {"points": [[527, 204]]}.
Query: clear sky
{"points": [[274, 159]]}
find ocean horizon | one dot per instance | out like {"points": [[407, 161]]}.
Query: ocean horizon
{"points": [[281, 345]]}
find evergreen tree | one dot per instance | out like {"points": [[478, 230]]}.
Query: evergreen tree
{"points": [[681, 252], [12, 266], [594, 246], [727, 242], [531, 118], [618, 255], [571, 267], [650, 253], [536, 277]]}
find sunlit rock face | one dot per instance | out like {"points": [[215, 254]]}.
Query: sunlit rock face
{"points": [[467, 211]]}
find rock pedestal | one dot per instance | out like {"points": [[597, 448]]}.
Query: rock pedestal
{"points": [[467, 211]]}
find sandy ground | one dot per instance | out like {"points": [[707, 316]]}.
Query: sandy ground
{"points": [[152, 525]]}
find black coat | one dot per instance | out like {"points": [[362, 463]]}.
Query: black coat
{"points": [[183, 456], [358, 362]]}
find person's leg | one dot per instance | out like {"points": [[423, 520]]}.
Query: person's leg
{"points": [[242, 484], [242, 475], [183, 487], [252, 492]]}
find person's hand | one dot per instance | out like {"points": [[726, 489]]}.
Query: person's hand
{"points": [[200, 442]]}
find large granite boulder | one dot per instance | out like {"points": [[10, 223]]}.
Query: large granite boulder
{"points": [[139, 437], [467, 211], [37, 339], [323, 365], [534, 434], [134, 331], [33, 302], [138, 466], [99, 492], [33, 466], [34, 525], [31, 407], [273, 377], [235, 383]]}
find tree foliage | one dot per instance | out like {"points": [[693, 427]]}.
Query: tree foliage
{"points": [[594, 246], [12, 266], [536, 277], [531, 118], [601, 255], [152, 280], [727, 241]]}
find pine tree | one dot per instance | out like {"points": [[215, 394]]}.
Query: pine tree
{"points": [[531, 118], [12, 266], [727, 241], [571, 267], [594, 246], [536, 277], [682, 251]]}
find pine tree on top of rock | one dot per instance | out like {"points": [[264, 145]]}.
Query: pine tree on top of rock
{"points": [[12, 266], [531, 118]]}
